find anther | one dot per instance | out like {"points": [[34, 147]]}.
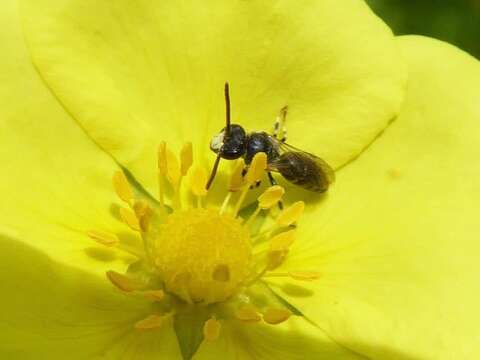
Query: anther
{"points": [[211, 329], [221, 273], [270, 197], [276, 316], [254, 174], [162, 158], [198, 179], [237, 180], [304, 275], [275, 259], [123, 282], [155, 295], [257, 168], [150, 322], [130, 219], [282, 241], [186, 158], [291, 214], [143, 213], [103, 237], [248, 314], [122, 187], [173, 168]]}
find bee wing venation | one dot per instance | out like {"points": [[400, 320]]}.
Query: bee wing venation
{"points": [[278, 165]]}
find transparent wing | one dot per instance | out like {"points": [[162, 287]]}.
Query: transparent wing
{"points": [[282, 147]]}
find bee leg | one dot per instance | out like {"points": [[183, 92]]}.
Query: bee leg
{"points": [[284, 135], [283, 115], [276, 127], [273, 182]]}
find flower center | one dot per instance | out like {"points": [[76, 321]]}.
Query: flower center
{"points": [[202, 256], [196, 254]]}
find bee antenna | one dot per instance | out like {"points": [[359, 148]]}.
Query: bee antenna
{"points": [[227, 106], [214, 172]]}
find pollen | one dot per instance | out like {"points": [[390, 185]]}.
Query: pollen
{"points": [[214, 249]]}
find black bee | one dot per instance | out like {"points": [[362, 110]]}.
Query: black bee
{"points": [[297, 166]]}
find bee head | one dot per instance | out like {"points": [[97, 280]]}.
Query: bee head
{"points": [[230, 147]]}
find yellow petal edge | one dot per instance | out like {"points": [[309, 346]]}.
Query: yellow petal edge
{"points": [[396, 241]]}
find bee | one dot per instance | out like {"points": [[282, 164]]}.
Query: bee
{"points": [[296, 166]]}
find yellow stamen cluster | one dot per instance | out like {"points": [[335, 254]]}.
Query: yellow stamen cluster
{"points": [[204, 255]]}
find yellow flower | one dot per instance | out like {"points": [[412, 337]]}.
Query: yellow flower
{"points": [[92, 88]]}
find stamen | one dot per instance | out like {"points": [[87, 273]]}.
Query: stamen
{"points": [[123, 282], [180, 282], [248, 314], [144, 213], [253, 216], [197, 255], [186, 158], [291, 214], [223, 208], [103, 237], [211, 329], [254, 174], [276, 316], [122, 187], [275, 259], [150, 322], [237, 180], [144, 221], [130, 219], [173, 168], [257, 168], [297, 275], [155, 295], [162, 173], [198, 180], [304, 275], [221, 273], [271, 196], [141, 208], [162, 159], [282, 241]]}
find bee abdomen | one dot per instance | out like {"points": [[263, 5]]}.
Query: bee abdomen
{"points": [[303, 171]]}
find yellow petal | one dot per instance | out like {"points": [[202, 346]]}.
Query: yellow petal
{"points": [[295, 339], [135, 73], [396, 241], [53, 311], [55, 184]]}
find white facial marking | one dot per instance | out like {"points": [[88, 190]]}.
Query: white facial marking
{"points": [[217, 141]]}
